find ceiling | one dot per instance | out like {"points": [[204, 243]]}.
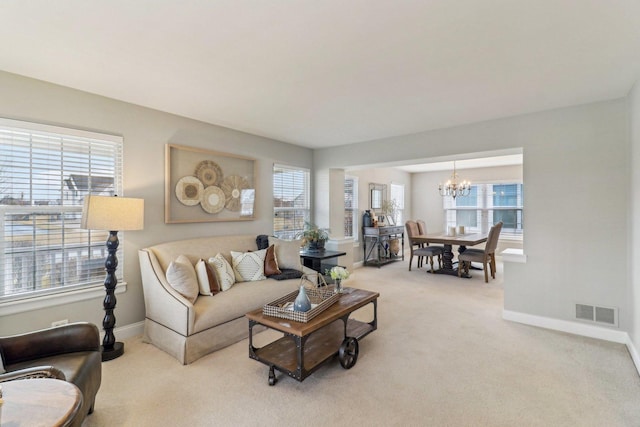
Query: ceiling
{"points": [[330, 72]]}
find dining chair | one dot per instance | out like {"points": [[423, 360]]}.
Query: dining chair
{"points": [[486, 256], [417, 250], [422, 229]]}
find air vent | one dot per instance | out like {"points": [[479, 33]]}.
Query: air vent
{"points": [[584, 312], [591, 313]]}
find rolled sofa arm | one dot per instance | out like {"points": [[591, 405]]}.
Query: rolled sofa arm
{"points": [[163, 304], [70, 338]]}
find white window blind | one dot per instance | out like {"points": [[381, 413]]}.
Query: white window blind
{"points": [[291, 200], [45, 173], [397, 194], [351, 213]]}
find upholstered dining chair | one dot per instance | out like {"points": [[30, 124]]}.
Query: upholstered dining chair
{"points": [[487, 256], [422, 229], [418, 251]]}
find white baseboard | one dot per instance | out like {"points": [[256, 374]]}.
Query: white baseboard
{"points": [[634, 354], [576, 328], [126, 331]]}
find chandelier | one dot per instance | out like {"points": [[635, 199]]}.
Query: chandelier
{"points": [[453, 188]]}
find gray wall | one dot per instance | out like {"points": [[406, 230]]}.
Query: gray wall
{"points": [[576, 171], [634, 252], [145, 133]]}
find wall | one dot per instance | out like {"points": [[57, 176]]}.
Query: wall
{"points": [[576, 170], [145, 134], [634, 252]]}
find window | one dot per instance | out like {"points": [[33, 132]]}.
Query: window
{"points": [[397, 194], [291, 200], [486, 205], [351, 207], [45, 173]]}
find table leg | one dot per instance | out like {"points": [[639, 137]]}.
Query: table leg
{"points": [[447, 261]]}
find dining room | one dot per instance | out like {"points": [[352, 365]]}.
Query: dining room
{"points": [[496, 194]]}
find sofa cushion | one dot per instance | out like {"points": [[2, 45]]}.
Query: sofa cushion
{"points": [[248, 266], [287, 253], [271, 262], [224, 271], [207, 279], [182, 277], [244, 297]]}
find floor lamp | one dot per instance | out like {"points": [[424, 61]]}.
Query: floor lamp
{"points": [[113, 214]]}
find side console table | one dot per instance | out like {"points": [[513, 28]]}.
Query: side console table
{"points": [[375, 244]]}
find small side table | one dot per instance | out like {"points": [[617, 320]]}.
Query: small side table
{"points": [[40, 401], [313, 260]]}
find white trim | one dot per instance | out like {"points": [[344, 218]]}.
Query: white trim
{"points": [[634, 353], [591, 331], [51, 300], [126, 331], [67, 131], [513, 255]]}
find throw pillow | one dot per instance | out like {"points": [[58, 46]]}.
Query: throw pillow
{"points": [[224, 271], [271, 262], [207, 279], [182, 277], [249, 266], [287, 253]]}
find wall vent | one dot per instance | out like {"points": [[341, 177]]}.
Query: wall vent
{"points": [[591, 313]]}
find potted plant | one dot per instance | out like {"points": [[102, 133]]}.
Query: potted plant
{"points": [[390, 209], [313, 237]]}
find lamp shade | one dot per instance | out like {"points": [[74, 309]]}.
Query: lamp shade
{"points": [[112, 213]]}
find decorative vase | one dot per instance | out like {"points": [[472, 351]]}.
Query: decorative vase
{"points": [[338, 286], [302, 302], [366, 219]]}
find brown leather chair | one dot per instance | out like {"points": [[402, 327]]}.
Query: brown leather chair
{"points": [[70, 352], [417, 250], [487, 256]]}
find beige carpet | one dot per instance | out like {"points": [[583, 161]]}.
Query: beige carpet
{"points": [[442, 356]]}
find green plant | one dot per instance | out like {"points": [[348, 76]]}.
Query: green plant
{"points": [[313, 233]]}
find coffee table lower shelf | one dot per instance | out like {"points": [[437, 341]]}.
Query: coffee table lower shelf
{"points": [[299, 355]]}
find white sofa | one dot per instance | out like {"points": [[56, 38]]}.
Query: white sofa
{"points": [[189, 331]]}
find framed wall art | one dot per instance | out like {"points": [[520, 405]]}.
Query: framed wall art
{"points": [[207, 186]]}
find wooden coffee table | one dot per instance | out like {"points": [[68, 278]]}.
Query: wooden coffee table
{"points": [[304, 347]]}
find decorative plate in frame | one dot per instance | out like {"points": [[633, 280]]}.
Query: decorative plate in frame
{"points": [[213, 199], [189, 190], [209, 172], [232, 187]]}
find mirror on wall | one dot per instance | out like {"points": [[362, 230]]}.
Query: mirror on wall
{"points": [[377, 195]]}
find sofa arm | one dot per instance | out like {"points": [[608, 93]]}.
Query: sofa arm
{"points": [[70, 338], [163, 304]]}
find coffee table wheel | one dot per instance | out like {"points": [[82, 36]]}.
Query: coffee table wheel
{"points": [[348, 353], [272, 376]]}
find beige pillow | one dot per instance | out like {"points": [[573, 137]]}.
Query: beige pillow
{"points": [[248, 266], [287, 253], [182, 277], [207, 280], [224, 271]]}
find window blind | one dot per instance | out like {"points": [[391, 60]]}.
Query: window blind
{"points": [[45, 173], [291, 200], [351, 213]]}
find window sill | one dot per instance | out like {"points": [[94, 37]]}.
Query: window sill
{"points": [[513, 255], [46, 301]]}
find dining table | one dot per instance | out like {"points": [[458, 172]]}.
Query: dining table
{"points": [[462, 240]]}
